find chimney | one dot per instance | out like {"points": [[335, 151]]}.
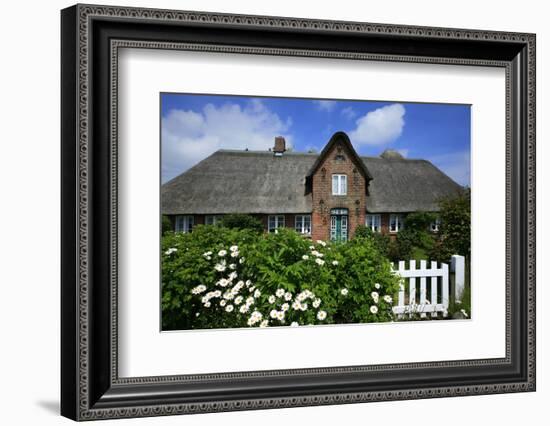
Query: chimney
{"points": [[280, 146]]}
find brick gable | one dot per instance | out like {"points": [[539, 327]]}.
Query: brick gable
{"points": [[338, 159]]}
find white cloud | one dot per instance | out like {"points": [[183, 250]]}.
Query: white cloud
{"points": [[381, 126], [349, 113], [325, 105], [190, 136], [456, 165]]}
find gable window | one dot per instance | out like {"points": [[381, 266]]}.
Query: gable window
{"points": [[434, 226], [374, 222], [339, 184], [184, 223], [302, 224], [212, 219], [397, 222], [274, 222]]}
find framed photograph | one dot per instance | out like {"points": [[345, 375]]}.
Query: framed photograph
{"points": [[263, 212]]}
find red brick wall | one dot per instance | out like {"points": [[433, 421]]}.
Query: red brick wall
{"points": [[354, 201]]}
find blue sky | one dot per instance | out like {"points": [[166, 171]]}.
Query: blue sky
{"points": [[195, 126]]}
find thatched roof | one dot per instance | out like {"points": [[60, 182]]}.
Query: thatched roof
{"points": [[258, 182]]}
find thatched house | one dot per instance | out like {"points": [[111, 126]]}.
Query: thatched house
{"points": [[325, 196]]}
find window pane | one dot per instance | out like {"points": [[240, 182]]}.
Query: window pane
{"points": [[393, 223], [344, 185], [335, 185]]}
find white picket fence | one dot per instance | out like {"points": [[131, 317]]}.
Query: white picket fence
{"points": [[415, 299]]}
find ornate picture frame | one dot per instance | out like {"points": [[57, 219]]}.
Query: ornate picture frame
{"points": [[91, 37]]}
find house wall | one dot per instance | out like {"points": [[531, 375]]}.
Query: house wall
{"points": [[323, 200]]}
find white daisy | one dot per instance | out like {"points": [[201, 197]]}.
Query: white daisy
{"points": [[288, 296], [223, 303], [233, 248], [219, 267], [264, 323], [303, 306], [387, 298], [281, 316], [335, 262], [170, 251], [316, 303], [305, 257], [238, 300], [234, 254], [285, 307], [207, 305], [232, 266], [344, 292], [241, 260], [244, 309], [229, 308], [222, 253], [199, 289], [273, 313], [257, 293], [377, 286], [321, 315], [374, 309], [271, 299], [280, 292], [319, 262]]}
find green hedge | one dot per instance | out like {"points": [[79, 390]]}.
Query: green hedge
{"points": [[218, 277]]}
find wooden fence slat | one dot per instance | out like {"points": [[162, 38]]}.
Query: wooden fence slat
{"points": [[423, 288], [401, 297], [412, 284], [445, 288], [434, 289]]}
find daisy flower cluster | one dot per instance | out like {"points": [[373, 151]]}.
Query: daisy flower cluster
{"points": [[317, 256], [375, 296], [231, 294], [284, 304]]}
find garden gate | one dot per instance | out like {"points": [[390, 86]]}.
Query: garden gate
{"points": [[416, 300]]}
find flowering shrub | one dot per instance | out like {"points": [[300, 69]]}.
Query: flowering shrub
{"points": [[217, 277]]}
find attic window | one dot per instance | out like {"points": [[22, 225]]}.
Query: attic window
{"points": [[339, 184], [340, 157]]}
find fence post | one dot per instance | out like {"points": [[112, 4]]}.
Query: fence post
{"points": [[457, 267]]}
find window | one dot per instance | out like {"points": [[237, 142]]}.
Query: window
{"points": [[211, 219], [302, 224], [434, 226], [274, 222], [397, 222], [184, 223], [374, 222], [339, 184]]}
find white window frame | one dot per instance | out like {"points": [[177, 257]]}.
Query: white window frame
{"points": [[278, 221], [302, 224], [374, 222], [215, 218], [399, 222], [434, 226], [339, 184], [185, 223]]}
